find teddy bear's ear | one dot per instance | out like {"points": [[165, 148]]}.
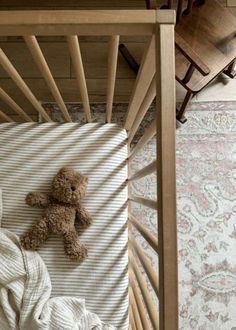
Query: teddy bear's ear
{"points": [[63, 170]]}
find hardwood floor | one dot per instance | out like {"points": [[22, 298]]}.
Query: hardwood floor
{"points": [[94, 56]]}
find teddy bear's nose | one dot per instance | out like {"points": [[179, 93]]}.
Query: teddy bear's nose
{"points": [[73, 188]]}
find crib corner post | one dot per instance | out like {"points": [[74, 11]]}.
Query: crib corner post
{"points": [[166, 177]]}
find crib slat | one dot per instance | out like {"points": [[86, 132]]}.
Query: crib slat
{"points": [[43, 67], [141, 308], [144, 201], [10, 69], [151, 307], [134, 307], [147, 235], [131, 316], [166, 177], [147, 170], [149, 133], [152, 275], [149, 97], [145, 75], [111, 77], [6, 98], [75, 54], [6, 117]]}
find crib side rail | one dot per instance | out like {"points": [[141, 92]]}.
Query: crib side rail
{"points": [[156, 79]]}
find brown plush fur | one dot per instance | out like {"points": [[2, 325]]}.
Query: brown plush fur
{"points": [[62, 208]]}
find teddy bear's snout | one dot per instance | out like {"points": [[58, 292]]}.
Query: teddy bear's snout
{"points": [[73, 188]]}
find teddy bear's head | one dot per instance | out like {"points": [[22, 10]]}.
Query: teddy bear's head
{"points": [[69, 186]]}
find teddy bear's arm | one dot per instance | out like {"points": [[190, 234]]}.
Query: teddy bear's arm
{"points": [[37, 199], [83, 217]]}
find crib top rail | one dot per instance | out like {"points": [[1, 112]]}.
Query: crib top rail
{"points": [[82, 22]]}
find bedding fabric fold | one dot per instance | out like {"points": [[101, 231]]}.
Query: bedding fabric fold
{"points": [[25, 290]]}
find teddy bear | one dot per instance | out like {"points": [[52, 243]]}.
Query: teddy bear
{"points": [[62, 209]]}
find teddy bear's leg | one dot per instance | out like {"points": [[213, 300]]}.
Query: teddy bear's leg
{"points": [[73, 247], [36, 236]]}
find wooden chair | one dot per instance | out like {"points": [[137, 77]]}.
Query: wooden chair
{"points": [[205, 46], [205, 39]]}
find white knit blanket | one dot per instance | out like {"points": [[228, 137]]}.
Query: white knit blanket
{"points": [[25, 289]]}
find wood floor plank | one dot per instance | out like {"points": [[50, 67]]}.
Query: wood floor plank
{"points": [[68, 89]]}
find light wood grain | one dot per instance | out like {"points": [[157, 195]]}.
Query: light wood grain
{"points": [[147, 170], [145, 232], [134, 308], [144, 201], [166, 178], [140, 304], [7, 65], [5, 117], [84, 22], [8, 100], [131, 319], [56, 53], [111, 76], [43, 67], [151, 307], [142, 83], [75, 54], [149, 133], [69, 88], [149, 270], [95, 59], [16, 118], [148, 99]]}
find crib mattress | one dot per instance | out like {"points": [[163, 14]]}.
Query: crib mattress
{"points": [[30, 154]]}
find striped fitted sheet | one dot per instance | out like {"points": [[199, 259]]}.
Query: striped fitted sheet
{"points": [[0, 205], [30, 154]]}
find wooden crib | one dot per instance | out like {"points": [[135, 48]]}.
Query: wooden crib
{"points": [[156, 76]]}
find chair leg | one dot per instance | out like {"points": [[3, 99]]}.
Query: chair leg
{"points": [[179, 10], [151, 4], [168, 5], [134, 66], [180, 113], [231, 71], [199, 3], [188, 10]]}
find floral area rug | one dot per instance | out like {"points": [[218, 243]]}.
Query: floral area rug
{"points": [[206, 203], [206, 184]]}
